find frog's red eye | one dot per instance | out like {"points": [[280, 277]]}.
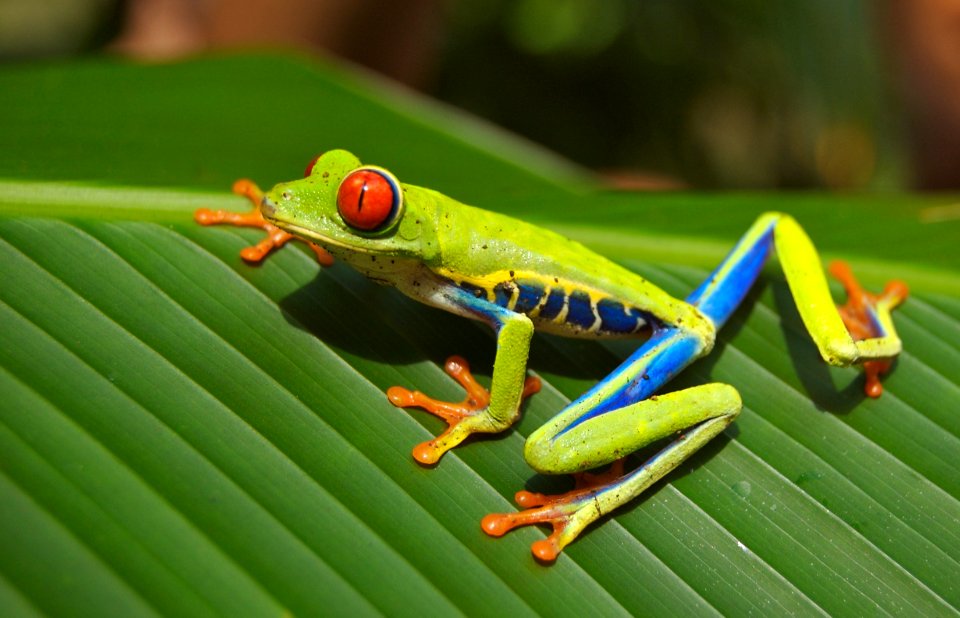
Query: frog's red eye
{"points": [[369, 199], [310, 165]]}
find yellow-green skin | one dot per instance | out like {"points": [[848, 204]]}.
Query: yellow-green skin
{"points": [[457, 241], [438, 251]]}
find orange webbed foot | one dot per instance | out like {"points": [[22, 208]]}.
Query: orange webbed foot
{"points": [[275, 238], [567, 513], [858, 314], [462, 418]]}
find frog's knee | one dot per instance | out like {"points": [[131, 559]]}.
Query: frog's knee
{"points": [[543, 455], [729, 403], [840, 352], [537, 451]]}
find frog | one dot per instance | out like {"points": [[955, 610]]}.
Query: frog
{"points": [[519, 278]]}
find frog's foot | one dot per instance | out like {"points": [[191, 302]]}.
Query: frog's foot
{"points": [[863, 313], [463, 418], [569, 513], [275, 238]]}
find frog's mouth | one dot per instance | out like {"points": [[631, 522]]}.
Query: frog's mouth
{"points": [[319, 244], [311, 236]]}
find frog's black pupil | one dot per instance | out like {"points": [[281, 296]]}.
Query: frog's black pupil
{"points": [[363, 192]]}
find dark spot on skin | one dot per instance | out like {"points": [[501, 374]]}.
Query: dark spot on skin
{"points": [[416, 284], [503, 292], [373, 258], [326, 174], [511, 273], [392, 262], [418, 222], [483, 247], [556, 280]]}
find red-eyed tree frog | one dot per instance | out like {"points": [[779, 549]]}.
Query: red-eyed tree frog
{"points": [[517, 277]]}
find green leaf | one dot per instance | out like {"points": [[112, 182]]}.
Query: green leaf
{"points": [[184, 434]]}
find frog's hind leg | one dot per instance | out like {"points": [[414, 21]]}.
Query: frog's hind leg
{"points": [[617, 417], [622, 414], [860, 332], [712, 407]]}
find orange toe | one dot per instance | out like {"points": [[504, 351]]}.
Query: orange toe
{"points": [[459, 416], [858, 316]]}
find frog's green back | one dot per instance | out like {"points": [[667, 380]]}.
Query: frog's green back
{"points": [[487, 250]]}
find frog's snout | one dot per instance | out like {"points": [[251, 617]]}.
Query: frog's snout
{"points": [[267, 208]]}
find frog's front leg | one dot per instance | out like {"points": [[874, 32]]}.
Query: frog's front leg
{"points": [[275, 237], [482, 411]]}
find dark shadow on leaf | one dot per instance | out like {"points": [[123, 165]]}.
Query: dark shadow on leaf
{"points": [[346, 318], [813, 372], [581, 359]]}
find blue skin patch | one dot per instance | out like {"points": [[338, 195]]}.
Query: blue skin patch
{"points": [[553, 306], [878, 328], [719, 302], [658, 360], [670, 349], [615, 319], [530, 295], [580, 310], [465, 296]]}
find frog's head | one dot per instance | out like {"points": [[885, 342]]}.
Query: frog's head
{"points": [[349, 209]]}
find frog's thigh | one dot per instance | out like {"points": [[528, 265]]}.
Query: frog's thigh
{"points": [[609, 436]]}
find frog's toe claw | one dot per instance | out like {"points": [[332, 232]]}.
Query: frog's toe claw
{"points": [[401, 397], [204, 216], [427, 453], [545, 550], [530, 499]]}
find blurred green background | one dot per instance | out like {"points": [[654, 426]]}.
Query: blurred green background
{"points": [[842, 94]]}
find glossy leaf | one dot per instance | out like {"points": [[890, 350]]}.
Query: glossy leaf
{"points": [[181, 433]]}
